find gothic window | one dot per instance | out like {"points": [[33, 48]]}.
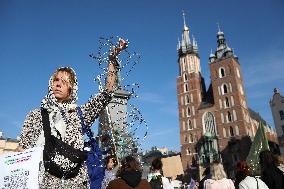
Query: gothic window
{"points": [[229, 115], [187, 99], [232, 131], [225, 89], [281, 113], [185, 138], [209, 123], [188, 111], [227, 102], [189, 125], [282, 128], [185, 77], [185, 87], [190, 138], [221, 72]]}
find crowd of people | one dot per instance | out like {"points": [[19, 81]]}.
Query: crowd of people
{"points": [[271, 177]]}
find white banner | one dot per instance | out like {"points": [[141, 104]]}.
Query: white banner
{"points": [[20, 169]]}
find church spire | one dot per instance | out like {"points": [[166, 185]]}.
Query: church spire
{"points": [[185, 45], [183, 15]]}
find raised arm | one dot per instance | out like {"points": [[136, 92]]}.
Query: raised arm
{"points": [[96, 104], [113, 65]]}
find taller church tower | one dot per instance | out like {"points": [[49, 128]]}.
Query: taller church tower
{"points": [[190, 92]]}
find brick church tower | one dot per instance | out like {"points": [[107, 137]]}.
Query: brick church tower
{"points": [[215, 124]]}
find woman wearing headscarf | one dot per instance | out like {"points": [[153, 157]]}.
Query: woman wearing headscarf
{"points": [[57, 127]]}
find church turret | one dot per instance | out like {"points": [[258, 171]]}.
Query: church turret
{"points": [[223, 50], [212, 57]]}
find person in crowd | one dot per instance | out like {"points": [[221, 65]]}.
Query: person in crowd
{"points": [[280, 162], [129, 176], [206, 175], [192, 184], [110, 172], [244, 179], [56, 126], [218, 178], [270, 174], [156, 179]]}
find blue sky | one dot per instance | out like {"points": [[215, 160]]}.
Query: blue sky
{"points": [[38, 36]]}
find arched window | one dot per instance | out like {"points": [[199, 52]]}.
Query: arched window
{"points": [[190, 138], [209, 123], [185, 77], [189, 125], [185, 87], [225, 89], [221, 72], [229, 115], [185, 138], [232, 131], [187, 99], [227, 102], [188, 111], [281, 113]]}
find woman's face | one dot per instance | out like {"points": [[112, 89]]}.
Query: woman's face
{"points": [[61, 86], [110, 164]]}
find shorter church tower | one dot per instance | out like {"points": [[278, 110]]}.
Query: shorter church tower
{"points": [[231, 112]]}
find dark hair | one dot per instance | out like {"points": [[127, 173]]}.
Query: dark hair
{"points": [[108, 158], [129, 163], [157, 164], [266, 160], [243, 170]]}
